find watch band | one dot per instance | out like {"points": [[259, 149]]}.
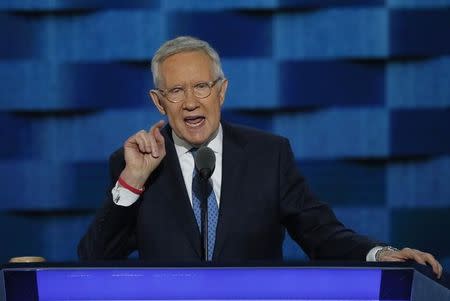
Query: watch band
{"points": [[384, 250]]}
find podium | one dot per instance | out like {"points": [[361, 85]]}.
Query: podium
{"points": [[211, 282]]}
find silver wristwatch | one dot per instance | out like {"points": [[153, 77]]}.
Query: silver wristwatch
{"points": [[384, 250]]}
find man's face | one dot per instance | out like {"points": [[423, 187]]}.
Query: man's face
{"points": [[193, 119]]}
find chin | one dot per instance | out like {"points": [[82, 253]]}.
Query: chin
{"points": [[196, 140]]}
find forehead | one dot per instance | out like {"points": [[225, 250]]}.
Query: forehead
{"points": [[186, 67]]}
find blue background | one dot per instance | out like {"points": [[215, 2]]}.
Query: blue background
{"points": [[361, 89]]}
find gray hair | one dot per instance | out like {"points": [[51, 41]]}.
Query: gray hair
{"points": [[184, 44]]}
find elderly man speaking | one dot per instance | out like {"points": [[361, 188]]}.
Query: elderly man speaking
{"points": [[255, 191]]}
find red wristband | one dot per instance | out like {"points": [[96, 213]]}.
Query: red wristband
{"points": [[129, 187]]}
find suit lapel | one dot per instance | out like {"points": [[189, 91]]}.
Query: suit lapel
{"points": [[233, 164], [176, 193]]}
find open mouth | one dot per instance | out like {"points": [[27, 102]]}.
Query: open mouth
{"points": [[194, 121]]}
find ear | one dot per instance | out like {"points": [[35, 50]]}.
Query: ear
{"points": [[223, 91], [157, 101]]}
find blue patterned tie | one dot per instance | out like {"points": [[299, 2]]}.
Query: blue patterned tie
{"points": [[213, 210]]}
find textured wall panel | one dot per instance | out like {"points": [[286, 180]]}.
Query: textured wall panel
{"points": [[291, 250], [46, 86], [51, 235], [418, 3], [362, 219], [253, 84], [419, 32], [358, 219], [56, 5], [420, 132], [418, 83], [213, 5], [235, 34], [356, 32], [346, 183], [336, 133], [419, 183], [91, 36], [426, 229], [324, 3], [43, 185], [261, 119], [19, 43], [84, 137], [340, 83], [15, 134]]}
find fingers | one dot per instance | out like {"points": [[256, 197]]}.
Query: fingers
{"points": [[151, 142], [156, 139], [437, 268], [143, 142], [156, 130], [423, 258], [415, 255]]}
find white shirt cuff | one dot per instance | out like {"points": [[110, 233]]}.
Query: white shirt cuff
{"points": [[122, 196], [371, 255]]}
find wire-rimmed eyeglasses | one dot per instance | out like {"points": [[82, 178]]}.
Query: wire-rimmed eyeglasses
{"points": [[179, 93]]}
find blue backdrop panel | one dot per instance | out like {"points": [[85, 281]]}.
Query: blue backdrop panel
{"points": [[253, 83], [426, 229], [47, 86], [420, 132], [362, 219], [88, 36], [52, 5], [14, 132], [235, 34], [261, 120], [77, 137], [322, 3], [336, 133], [53, 235], [291, 250], [346, 183], [321, 83], [215, 5], [43, 185], [18, 43], [349, 32], [418, 83], [418, 3], [358, 219], [419, 183], [419, 32]]}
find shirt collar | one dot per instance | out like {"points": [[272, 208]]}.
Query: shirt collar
{"points": [[182, 147]]}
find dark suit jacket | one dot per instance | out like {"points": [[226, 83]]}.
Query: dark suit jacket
{"points": [[262, 193]]}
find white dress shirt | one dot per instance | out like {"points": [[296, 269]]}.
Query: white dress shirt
{"points": [[187, 162]]}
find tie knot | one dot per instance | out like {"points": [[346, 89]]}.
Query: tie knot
{"points": [[193, 151]]}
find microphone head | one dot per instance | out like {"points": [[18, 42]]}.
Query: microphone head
{"points": [[205, 162]]}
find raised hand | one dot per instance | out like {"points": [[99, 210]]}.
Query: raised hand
{"points": [[144, 151]]}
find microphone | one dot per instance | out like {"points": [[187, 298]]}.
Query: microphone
{"points": [[205, 162]]}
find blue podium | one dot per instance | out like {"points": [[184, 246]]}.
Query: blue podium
{"points": [[146, 282]]}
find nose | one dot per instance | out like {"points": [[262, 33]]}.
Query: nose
{"points": [[191, 102]]}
